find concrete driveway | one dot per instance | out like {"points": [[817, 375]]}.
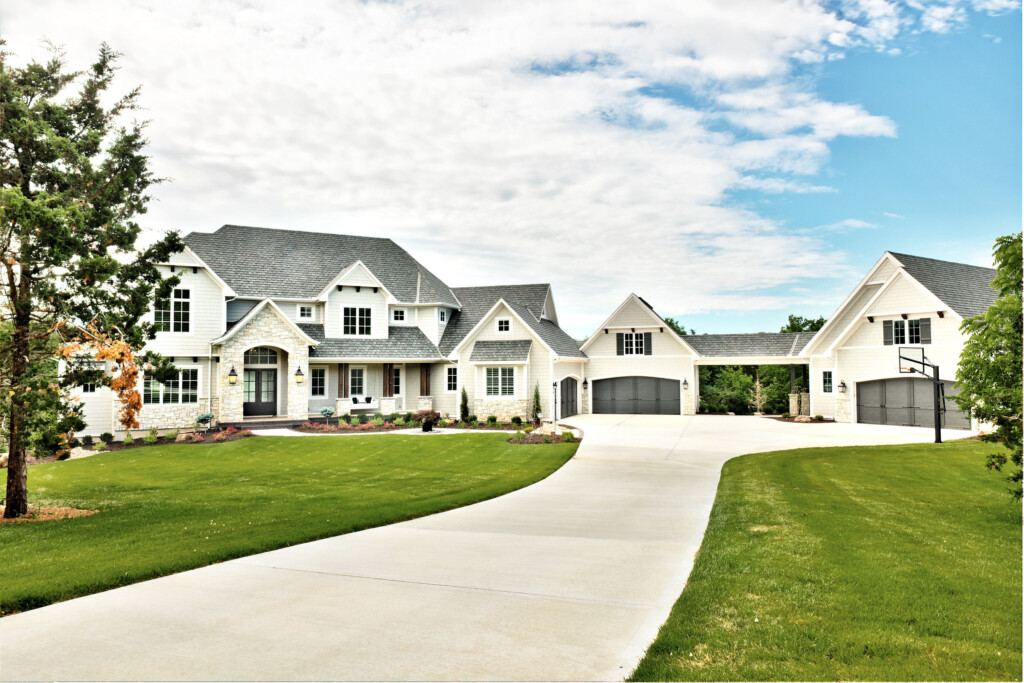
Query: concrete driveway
{"points": [[568, 579]]}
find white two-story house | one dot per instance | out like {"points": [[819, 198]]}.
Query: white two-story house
{"points": [[276, 324]]}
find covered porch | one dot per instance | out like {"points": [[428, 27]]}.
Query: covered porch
{"points": [[371, 386]]}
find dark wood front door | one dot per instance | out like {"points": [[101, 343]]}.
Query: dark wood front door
{"points": [[568, 397], [259, 389]]}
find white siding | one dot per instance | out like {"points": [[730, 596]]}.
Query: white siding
{"points": [[426, 320], [97, 409], [337, 301], [207, 316], [843, 318], [410, 316]]}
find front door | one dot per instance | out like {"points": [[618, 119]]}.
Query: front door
{"points": [[259, 392], [568, 392]]}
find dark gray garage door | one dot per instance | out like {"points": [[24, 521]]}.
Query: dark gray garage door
{"points": [[637, 396], [906, 401]]}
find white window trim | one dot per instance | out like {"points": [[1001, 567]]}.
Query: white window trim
{"points": [[633, 336], [442, 316], [199, 388], [457, 373], [497, 326], [327, 381], [191, 316], [400, 369], [831, 382], [515, 383], [405, 315], [298, 312], [350, 369], [356, 334]]}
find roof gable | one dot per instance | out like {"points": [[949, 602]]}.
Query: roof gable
{"points": [[266, 303], [964, 288], [284, 264], [635, 312]]}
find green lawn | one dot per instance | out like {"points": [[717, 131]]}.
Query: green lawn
{"points": [[175, 507], [882, 563]]}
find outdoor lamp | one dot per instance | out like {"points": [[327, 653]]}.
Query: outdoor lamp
{"points": [[232, 376], [298, 376], [686, 385], [584, 383], [842, 387]]}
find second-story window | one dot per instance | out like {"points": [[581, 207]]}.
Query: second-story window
{"points": [[442, 315], [181, 316], [504, 325], [305, 312], [356, 321], [399, 315]]}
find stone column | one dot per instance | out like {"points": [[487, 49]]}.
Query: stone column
{"points": [[794, 404], [805, 403]]}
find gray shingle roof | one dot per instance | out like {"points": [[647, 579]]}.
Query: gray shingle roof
{"points": [[525, 300], [264, 262], [511, 351], [402, 343], [966, 289], [766, 344]]}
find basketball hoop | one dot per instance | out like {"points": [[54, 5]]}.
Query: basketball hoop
{"points": [[912, 360]]}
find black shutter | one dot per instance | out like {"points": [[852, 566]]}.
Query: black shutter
{"points": [[647, 343], [887, 332], [926, 330], [619, 345]]}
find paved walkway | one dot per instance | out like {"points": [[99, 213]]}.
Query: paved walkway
{"points": [[568, 579]]}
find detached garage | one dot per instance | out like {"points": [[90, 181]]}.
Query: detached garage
{"points": [[637, 396], [906, 401]]}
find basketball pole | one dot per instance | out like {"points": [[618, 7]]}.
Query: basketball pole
{"points": [[938, 409]]}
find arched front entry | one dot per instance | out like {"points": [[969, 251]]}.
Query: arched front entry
{"points": [[567, 398], [261, 381]]}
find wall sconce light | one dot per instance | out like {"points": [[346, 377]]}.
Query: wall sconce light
{"points": [[686, 385], [298, 376], [584, 383], [842, 387], [232, 376], [554, 385]]}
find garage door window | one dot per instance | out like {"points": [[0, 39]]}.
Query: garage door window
{"points": [[501, 382]]}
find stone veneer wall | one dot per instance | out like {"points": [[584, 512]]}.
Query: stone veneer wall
{"points": [[842, 409], [266, 329], [503, 409], [166, 416]]}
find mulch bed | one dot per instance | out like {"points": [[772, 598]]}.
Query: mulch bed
{"points": [[534, 438], [778, 418], [47, 514], [318, 427]]}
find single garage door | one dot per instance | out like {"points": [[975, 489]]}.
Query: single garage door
{"points": [[907, 401], [637, 396]]}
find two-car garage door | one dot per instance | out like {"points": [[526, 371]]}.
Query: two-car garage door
{"points": [[637, 396], [905, 401]]}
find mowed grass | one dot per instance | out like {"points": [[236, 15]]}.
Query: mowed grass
{"points": [[169, 508], [883, 563]]}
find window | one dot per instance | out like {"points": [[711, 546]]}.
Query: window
{"points": [[899, 332], [453, 379], [261, 355], [504, 325], [162, 315], [914, 331], [181, 314], [318, 382], [183, 389], [396, 379], [399, 315], [356, 321], [89, 388], [501, 381], [633, 343], [305, 312], [355, 383], [826, 381], [442, 315]]}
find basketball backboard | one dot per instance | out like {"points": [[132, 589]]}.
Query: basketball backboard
{"points": [[911, 360]]}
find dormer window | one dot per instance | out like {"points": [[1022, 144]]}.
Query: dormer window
{"points": [[442, 315], [305, 312], [355, 321], [504, 325], [398, 315]]}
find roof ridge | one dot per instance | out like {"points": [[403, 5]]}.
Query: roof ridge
{"points": [[937, 260]]}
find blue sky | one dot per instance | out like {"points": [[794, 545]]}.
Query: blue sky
{"points": [[731, 161], [945, 187]]}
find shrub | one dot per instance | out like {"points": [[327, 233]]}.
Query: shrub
{"points": [[152, 437], [520, 435], [173, 434], [107, 438], [46, 442], [245, 433], [194, 437], [424, 415], [536, 403], [568, 437], [471, 418], [86, 441], [100, 446], [786, 416], [819, 418], [492, 420], [399, 421], [408, 417], [221, 436], [547, 439], [203, 419], [517, 421], [473, 424], [527, 429], [377, 421], [327, 412], [128, 438], [462, 425], [464, 406], [442, 423]]}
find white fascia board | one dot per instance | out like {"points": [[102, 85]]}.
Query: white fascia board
{"points": [[487, 317], [216, 278], [751, 360], [252, 313], [322, 296], [656, 322], [849, 297]]}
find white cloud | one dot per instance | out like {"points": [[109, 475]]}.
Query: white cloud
{"points": [[890, 214], [499, 142]]}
